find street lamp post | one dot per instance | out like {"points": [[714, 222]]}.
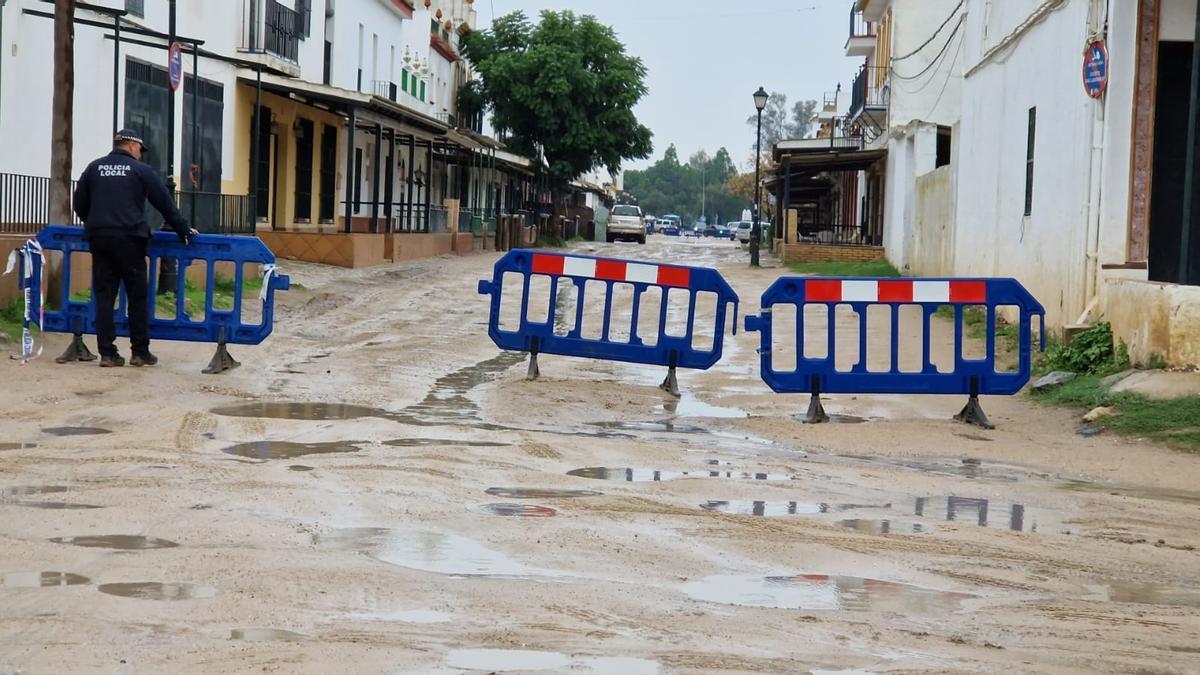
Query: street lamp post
{"points": [[760, 102]]}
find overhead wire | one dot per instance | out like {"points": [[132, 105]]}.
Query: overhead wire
{"points": [[933, 62], [935, 33]]}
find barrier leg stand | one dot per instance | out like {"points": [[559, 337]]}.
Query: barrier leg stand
{"points": [[221, 361], [671, 384], [534, 373], [77, 350], [972, 413], [816, 411]]}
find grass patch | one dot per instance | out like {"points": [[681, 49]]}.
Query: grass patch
{"points": [[874, 268], [549, 241], [1175, 423], [975, 326], [11, 318]]}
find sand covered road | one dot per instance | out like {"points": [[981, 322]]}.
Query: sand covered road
{"points": [[377, 489]]}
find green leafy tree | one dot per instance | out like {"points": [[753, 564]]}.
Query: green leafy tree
{"points": [[563, 91], [779, 123], [699, 187]]}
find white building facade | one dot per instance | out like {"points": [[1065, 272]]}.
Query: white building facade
{"points": [[1080, 198]]}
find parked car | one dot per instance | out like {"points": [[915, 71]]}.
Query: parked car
{"points": [[670, 225], [694, 231], [625, 222], [742, 233]]}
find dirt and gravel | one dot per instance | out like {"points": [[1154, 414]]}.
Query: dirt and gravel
{"points": [[378, 489]]}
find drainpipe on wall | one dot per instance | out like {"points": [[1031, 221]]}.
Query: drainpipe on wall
{"points": [[1097, 28]]}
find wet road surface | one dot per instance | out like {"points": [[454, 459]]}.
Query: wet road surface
{"points": [[379, 486]]}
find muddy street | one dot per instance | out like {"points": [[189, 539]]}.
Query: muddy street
{"points": [[378, 489]]}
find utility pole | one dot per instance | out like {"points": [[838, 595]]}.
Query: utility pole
{"points": [[61, 140], [170, 106]]}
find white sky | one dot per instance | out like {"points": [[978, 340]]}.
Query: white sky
{"points": [[706, 57]]}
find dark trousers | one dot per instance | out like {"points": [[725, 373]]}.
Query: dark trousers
{"points": [[116, 261]]}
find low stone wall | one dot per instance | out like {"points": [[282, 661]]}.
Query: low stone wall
{"points": [[327, 248], [804, 252], [1155, 319]]}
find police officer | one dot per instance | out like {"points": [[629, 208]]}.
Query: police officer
{"points": [[110, 199]]}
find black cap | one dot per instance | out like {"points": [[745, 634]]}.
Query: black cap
{"points": [[127, 135]]}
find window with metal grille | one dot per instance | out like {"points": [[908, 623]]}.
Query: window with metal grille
{"points": [[136, 7], [1029, 161], [328, 172], [304, 169]]}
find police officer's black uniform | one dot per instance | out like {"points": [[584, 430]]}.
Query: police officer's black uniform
{"points": [[111, 199]]}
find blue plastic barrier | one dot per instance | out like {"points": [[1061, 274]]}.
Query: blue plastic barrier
{"points": [[217, 325], [968, 376], [664, 349]]}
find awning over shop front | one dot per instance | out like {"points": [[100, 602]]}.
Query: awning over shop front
{"points": [[343, 100]]}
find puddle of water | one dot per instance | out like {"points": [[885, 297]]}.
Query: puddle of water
{"points": [[847, 419], [825, 592], [500, 660], [631, 475], [266, 450], [428, 442], [446, 404], [983, 512], [518, 510], [667, 426], [883, 526], [299, 411], [969, 467], [41, 579], [763, 508], [437, 552], [16, 446], [540, 493], [26, 490], [75, 431], [154, 590], [689, 406], [122, 542], [1157, 494], [1143, 593], [299, 467], [64, 506], [265, 635]]}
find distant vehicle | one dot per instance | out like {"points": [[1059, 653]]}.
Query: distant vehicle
{"points": [[715, 230], [670, 225], [744, 227], [694, 231], [625, 222]]}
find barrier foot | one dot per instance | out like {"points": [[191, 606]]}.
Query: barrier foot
{"points": [[221, 361], [534, 373], [972, 413], [76, 351], [816, 411], [671, 384]]}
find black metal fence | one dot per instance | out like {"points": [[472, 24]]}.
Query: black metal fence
{"points": [[838, 235], [25, 208]]}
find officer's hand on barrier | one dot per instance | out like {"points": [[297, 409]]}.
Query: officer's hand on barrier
{"points": [[187, 238]]}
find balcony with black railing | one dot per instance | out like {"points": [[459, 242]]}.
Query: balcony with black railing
{"points": [[869, 93], [386, 89], [272, 28]]}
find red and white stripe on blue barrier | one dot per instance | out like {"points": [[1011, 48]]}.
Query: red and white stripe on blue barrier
{"points": [[670, 350], [607, 269], [969, 376]]}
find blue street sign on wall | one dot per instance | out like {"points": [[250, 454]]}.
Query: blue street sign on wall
{"points": [[175, 66], [1095, 69]]}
